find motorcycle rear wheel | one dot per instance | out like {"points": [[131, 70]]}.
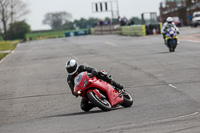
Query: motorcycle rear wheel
{"points": [[103, 104], [128, 100]]}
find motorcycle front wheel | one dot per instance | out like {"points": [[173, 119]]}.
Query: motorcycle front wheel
{"points": [[103, 104], [172, 43], [128, 100]]}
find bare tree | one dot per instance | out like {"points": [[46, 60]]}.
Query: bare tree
{"points": [[10, 11], [57, 19]]}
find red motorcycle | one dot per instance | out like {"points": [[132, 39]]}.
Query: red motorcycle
{"points": [[100, 93]]}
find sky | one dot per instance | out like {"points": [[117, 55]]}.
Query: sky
{"points": [[83, 9]]}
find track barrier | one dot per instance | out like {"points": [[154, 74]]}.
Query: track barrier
{"points": [[133, 30], [107, 29], [77, 33]]}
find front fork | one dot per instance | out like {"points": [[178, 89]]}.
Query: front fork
{"points": [[172, 43]]}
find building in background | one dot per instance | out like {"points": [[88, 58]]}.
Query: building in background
{"points": [[179, 9]]}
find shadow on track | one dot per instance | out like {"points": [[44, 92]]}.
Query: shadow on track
{"points": [[163, 52], [82, 113], [76, 113]]}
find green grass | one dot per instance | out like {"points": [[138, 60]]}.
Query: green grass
{"points": [[46, 34], [7, 45], [2, 55]]}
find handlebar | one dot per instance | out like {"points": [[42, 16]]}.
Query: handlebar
{"points": [[102, 73]]}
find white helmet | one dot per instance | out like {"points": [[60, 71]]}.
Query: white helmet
{"points": [[169, 19], [71, 66]]}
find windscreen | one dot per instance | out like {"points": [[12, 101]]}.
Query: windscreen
{"points": [[78, 79], [197, 15]]}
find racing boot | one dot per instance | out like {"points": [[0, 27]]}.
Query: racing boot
{"points": [[86, 106]]}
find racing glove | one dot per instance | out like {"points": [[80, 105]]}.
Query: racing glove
{"points": [[94, 72]]}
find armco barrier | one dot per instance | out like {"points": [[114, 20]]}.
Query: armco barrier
{"points": [[135, 30]]}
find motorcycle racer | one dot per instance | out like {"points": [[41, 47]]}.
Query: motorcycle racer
{"points": [[73, 69], [168, 24]]}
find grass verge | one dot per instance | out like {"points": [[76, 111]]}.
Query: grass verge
{"points": [[2, 55], [7, 45]]}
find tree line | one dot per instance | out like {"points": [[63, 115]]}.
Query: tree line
{"points": [[13, 26], [62, 21]]}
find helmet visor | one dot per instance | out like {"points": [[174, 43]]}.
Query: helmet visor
{"points": [[72, 69]]}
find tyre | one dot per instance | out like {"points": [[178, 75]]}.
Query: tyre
{"points": [[171, 50], [103, 104], [171, 45], [128, 100]]}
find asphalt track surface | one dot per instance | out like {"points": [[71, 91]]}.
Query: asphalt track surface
{"points": [[35, 97]]}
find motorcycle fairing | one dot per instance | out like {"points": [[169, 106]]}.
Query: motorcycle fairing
{"points": [[85, 84], [112, 94]]}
